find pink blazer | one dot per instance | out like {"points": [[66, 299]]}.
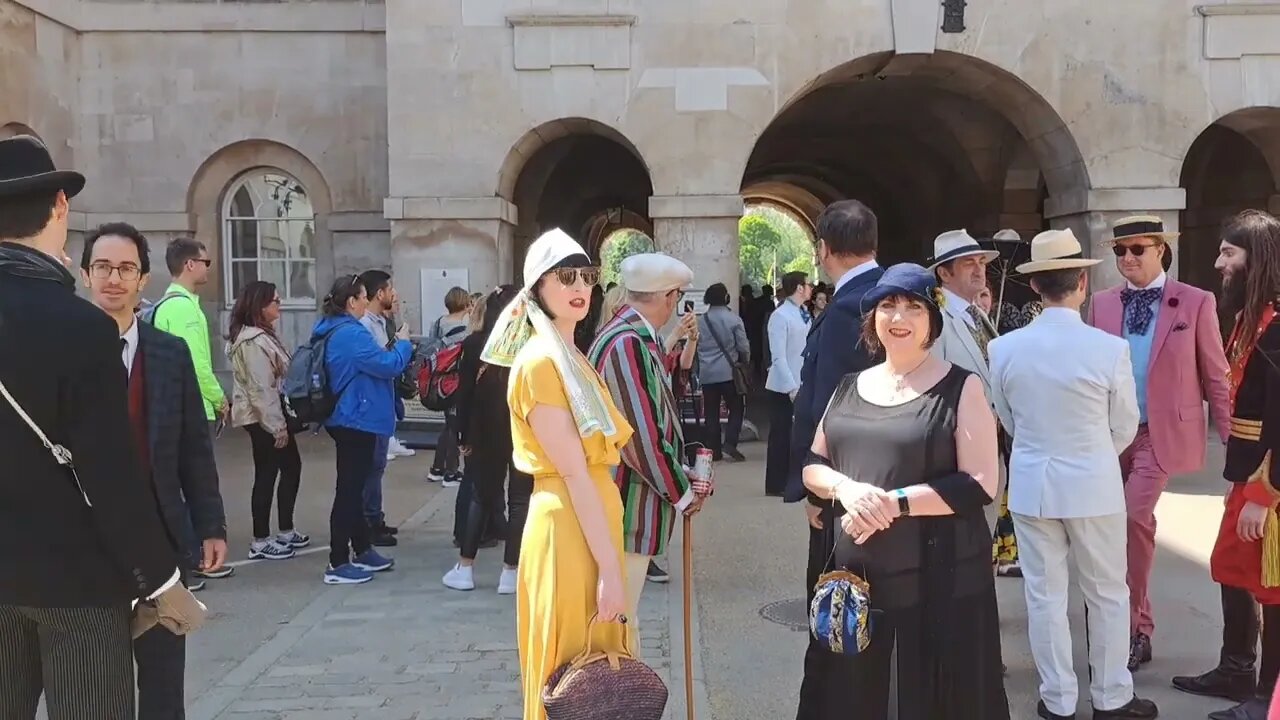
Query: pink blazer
{"points": [[1188, 366]]}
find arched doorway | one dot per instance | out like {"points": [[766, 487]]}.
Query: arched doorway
{"points": [[617, 246], [1231, 166], [581, 176], [773, 239], [930, 143]]}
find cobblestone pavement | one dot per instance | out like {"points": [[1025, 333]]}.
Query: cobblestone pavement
{"points": [[403, 647]]}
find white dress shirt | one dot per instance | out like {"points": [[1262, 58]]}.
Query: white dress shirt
{"points": [[130, 346], [854, 272], [961, 306]]}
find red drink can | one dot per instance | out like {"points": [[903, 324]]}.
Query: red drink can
{"points": [[702, 472]]}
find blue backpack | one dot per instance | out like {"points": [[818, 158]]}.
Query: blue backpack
{"points": [[308, 396]]}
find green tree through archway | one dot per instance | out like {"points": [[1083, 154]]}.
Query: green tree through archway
{"points": [[620, 245], [771, 242]]}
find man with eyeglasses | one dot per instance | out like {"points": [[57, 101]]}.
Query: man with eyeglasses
{"points": [[1178, 364], [628, 354], [167, 416], [178, 312]]}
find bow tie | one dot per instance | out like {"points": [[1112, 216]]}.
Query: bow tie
{"points": [[1137, 308]]}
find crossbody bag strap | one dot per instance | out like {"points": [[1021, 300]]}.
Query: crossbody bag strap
{"points": [[60, 453], [711, 328]]}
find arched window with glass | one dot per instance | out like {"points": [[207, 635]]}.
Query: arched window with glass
{"points": [[269, 232]]}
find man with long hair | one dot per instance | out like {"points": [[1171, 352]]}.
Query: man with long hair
{"points": [[1246, 556]]}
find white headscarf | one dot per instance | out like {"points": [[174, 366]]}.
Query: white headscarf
{"points": [[511, 333]]}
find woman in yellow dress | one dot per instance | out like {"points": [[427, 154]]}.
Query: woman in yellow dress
{"points": [[567, 433]]}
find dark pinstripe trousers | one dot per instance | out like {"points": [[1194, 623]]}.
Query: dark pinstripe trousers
{"points": [[80, 658]]}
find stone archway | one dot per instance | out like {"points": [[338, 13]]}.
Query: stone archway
{"points": [[929, 142], [1233, 164], [579, 175]]}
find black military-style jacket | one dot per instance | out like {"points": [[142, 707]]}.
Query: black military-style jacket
{"points": [[1253, 448]]}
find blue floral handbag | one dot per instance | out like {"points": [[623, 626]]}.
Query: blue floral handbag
{"points": [[840, 614]]}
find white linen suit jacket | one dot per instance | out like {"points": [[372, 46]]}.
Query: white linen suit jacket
{"points": [[1066, 393], [957, 346], [788, 332]]}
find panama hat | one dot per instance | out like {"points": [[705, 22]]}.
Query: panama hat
{"points": [[1007, 235], [1055, 250], [954, 244], [1136, 226], [26, 167]]}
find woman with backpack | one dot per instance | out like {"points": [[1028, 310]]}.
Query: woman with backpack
{"points": [[487, 446], [362, 377], [449, 329], [259, 362]]}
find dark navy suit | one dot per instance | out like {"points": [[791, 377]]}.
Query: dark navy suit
{"points": [[834, 349]]}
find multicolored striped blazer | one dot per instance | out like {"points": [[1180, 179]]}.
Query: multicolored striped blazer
{"points": [[651, 477]]}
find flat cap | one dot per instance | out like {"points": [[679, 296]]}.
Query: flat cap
{"points": [[654, 272]]}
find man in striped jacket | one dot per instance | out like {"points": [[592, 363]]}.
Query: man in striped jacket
{"points": [[654, 483]]}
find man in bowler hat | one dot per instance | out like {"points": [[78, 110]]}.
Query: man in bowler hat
{"points": [[72, 471]]}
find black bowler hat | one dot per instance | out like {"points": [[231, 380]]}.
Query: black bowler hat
{"points": [[26, 167], [906, 279]]}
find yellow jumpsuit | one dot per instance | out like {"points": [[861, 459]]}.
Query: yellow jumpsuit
{"points": [[556, 588]]}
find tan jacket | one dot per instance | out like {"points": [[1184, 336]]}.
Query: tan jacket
{"points": [[259, 363]]}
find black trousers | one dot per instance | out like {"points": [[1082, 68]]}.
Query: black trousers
{"points": [[489, 471], [1240, 631], [162, 661], [270, 463], [446, 457], [81, 659], [712, 396], [778, 460], [348, 531], [822, 684]]}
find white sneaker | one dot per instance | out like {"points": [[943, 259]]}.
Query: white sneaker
{"points": [[460, 578], [391, 456], [395, 447], [507, 583], [269, 550]]}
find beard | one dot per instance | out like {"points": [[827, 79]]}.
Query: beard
{"points": [[1233, 292]]}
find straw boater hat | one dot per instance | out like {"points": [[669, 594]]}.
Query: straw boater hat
{"points": [[1055, 250], [1136, 226], [954, 244]]}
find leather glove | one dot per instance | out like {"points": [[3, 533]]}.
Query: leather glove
{"points": [[176, 610]]}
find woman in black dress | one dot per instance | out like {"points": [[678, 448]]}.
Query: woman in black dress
{"points": [[907, 452]]}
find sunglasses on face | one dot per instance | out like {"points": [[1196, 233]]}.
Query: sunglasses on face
{"points": [[568, 276], [207, 262], [1136, 250]]}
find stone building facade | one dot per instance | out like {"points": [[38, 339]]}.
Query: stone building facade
{"points": [[301, 140]]}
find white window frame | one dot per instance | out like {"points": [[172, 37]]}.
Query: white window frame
{"points": [[229, 261]]}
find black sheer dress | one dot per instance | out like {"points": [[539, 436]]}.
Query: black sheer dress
{"points": [[935, 643]]}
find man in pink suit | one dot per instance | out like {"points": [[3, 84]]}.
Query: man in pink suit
{"points": [[1179, 364]]}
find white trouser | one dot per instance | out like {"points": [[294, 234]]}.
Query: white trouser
{"points": [[637, 570], [1096, 545]]}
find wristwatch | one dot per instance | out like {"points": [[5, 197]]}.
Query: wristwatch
{"points": [[904, 505]]}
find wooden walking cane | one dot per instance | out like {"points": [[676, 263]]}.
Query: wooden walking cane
{"points": [[688, 615]]}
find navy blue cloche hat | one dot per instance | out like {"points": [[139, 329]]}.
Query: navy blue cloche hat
{"points": [[906, 279]]}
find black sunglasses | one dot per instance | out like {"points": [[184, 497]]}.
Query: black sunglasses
{"points": [[1137, 250], [569, 275]]}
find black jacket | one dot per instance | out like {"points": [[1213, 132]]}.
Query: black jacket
{"points": [[481, 400], [834, 349], [60, 359], [182, 465]]}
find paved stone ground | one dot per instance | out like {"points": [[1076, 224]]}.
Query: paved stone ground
{"points": [[403, 647]]}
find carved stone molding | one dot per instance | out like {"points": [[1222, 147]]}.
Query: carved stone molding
{"points": [[546, 41]]}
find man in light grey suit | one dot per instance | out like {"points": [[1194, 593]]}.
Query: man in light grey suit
{"points": [[960, 265], [1070, 419]]}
